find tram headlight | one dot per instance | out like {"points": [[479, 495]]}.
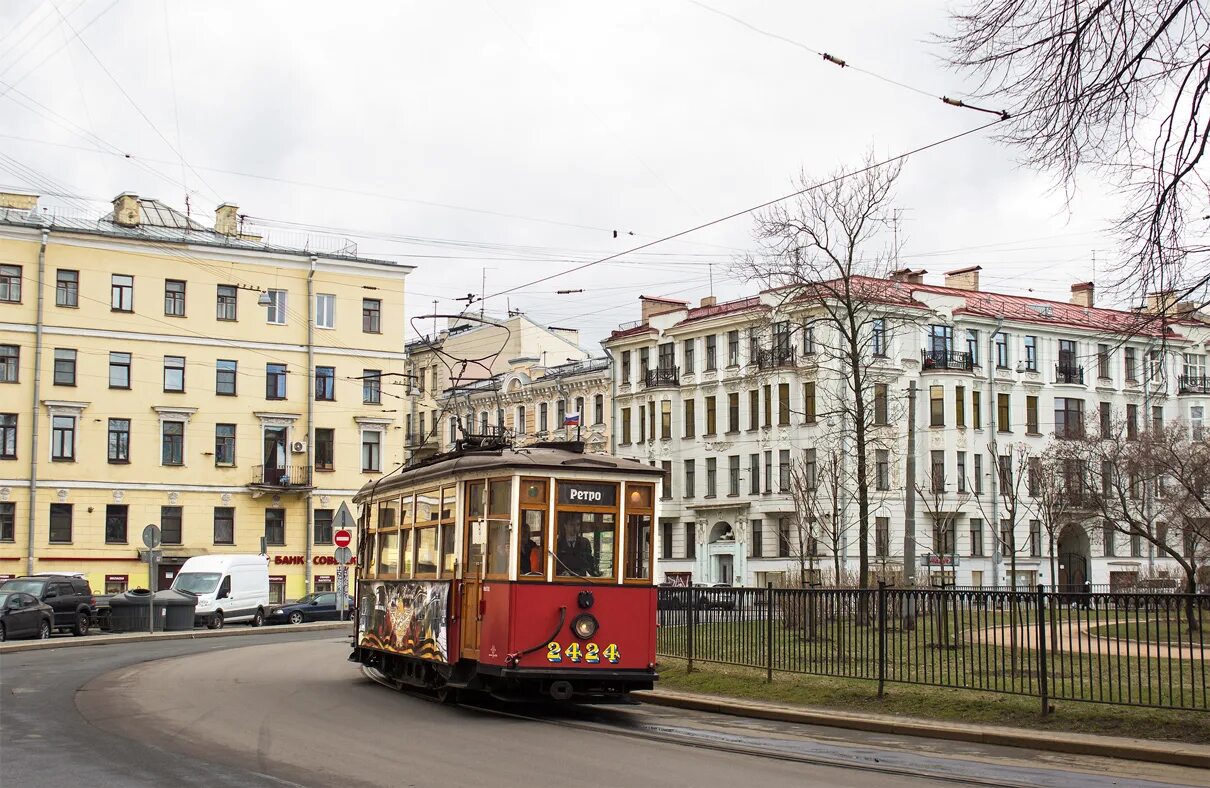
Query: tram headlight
{"points": [[584, 626]]}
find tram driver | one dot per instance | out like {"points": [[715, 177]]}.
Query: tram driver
{"points": [[575, 552]]}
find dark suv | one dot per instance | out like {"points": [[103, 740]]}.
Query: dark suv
{"points": [[69, 596]]}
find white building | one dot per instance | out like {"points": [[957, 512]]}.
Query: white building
{"points": [[726, 397]]}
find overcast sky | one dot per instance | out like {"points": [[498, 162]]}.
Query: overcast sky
{"points": [[517, 136]]}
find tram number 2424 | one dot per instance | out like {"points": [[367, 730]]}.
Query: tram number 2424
{"points": [[591, 653]]}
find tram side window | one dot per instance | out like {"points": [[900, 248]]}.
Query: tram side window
{"points": [[388, 553], [533, 552], [586, 536], [499, 520], [476, 493], [426, 551], [638, 531], [448, 531]]}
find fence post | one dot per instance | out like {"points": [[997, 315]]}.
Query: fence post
{"points": [[769, 633], [881, 636], [1042, 667], [692, 615]]}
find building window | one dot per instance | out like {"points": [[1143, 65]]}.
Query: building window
{"points": [[882, 537], [960, 406], [371, 387], [1157, 418], [972, 345], [8, 436], [115, 523], [976, 409], [519, 420], [1005, 468], [976, 537], [882, 465], [936, 406], [325, 310], [598, 409], [808, 338], [275, 526], [733, 412], [8, 521], [733, 475], [783, 404], [754, 408], [325, 383], [121, 293], [63, 438], [625, 370], [1001, 350], [1107, 539], [783, 537], [10, 284], [711, 352], [666, 419], [560, 416], [67, 288], [733, 348], [978, 474], [769, 471], [962, 486], [881, 405], [754, 474], [644, 363], [224, 444], [783, 470], [711, 416], [174, 298], [878, 338], [1031, 415], [173, 452], [371, 451], [808, 403], [323, 526], [275, 381], [174, 373], [119, 370], [811, 469], [65, 367], [60, 523], [937, 471], [119, 440], [170, 524], [1131, 364], [1002, 412], [1132, 422], [941, 342], [9, 357], [690, 479], [1069, 417], [325, 448], [688, 355], [225, 371], [1031, 354], [276, 310], [666, 487], [1035, 538], [768, 409], [224, 525], [371, 315], [227, 299], [757, 527], [711, 476]]}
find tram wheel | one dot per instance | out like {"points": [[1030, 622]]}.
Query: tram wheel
{"points": [[447, 694]]}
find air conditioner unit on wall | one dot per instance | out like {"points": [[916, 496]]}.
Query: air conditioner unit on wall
{"points": [[299, 447]]}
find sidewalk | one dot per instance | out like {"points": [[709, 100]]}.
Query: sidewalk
{"points": [[1175, 753], [105, 639]]}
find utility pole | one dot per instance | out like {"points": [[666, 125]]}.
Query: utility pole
{"points": [[909, 503]]}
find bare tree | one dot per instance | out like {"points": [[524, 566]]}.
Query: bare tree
{"points": [[1056, 488], [817, 482], [943, 507], [1121, 89], [1151, 485], [824, 253]]}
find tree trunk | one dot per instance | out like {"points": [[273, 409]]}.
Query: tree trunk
{"points": [[1191, 616]]}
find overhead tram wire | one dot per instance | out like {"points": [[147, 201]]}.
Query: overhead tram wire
{"points": [[53, 52], [750, 209]]}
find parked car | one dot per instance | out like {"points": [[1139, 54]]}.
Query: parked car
{"points": [[672, 597], [719, 596], [69, 596], [312, 607], [23, 615]]}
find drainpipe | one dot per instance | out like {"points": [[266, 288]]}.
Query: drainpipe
{"points": [[33, 452], [310, 535], [994, 466]]}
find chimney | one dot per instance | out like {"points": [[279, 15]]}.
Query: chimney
{"points": [[964, 278], [1083, 294], [1160, 303], [226, 219], [126, 210], [909, 276], [653, 306], [572, 335], [18, 201], [709, 301]]}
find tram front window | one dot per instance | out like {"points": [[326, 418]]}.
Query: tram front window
{"points": [[585, 546], [533, 542]]}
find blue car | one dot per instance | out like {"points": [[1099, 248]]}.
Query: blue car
{"points": [[312, 607]]}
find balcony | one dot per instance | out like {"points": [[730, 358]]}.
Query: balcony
{"points": [[417, 440], [662, 376], [956, 360], [283, 477], [1069, 373], [775, 358], [1194, 384]]}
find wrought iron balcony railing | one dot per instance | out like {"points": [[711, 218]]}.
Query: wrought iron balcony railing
{"points": [[947, 359], [1069, 373], [773, 358], [663, 376], [1193, 384], [281, 476]]}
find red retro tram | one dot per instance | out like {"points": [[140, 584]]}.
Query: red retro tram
{"points": [[521, 572]]}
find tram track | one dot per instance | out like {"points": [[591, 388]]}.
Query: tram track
{"points": [[862, 758]]}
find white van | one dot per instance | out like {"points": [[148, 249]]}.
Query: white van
{"points": [[228, 588]]}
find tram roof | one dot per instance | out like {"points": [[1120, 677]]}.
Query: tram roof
{"points": [[513, 460]]}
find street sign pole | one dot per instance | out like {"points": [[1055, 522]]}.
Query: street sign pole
{"points": [[343, 556], [151, 538]]}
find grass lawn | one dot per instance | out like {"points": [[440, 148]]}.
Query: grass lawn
{"points": [[935, 703], [1152, 631]]}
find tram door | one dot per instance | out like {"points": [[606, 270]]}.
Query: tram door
{"points": [[473, 539]]}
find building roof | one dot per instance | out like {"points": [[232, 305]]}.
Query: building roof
{"points": [[161, 224]]}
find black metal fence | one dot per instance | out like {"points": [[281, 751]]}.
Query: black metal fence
{"points": [[1141, 649]]}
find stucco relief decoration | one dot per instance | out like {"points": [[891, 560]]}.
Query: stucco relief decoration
{"points": [[277, 500], [703, 528], [118, 495], [740, 530], [718, 445], [5, 492], [62, 494], [225, 497], [173, 497], [324, 501]]}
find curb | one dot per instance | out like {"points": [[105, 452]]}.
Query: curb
{"points": [[109, 640], [1171, 753]]}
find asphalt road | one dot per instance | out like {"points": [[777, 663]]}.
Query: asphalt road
{"points": [[288, 709]]}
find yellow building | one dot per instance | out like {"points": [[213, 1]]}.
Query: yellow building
{"points": [[157, 371]]}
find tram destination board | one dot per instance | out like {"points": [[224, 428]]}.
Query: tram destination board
{"points": [[587, 494]]}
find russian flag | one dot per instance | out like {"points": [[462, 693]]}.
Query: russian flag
{"points": [[571, 419]]}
